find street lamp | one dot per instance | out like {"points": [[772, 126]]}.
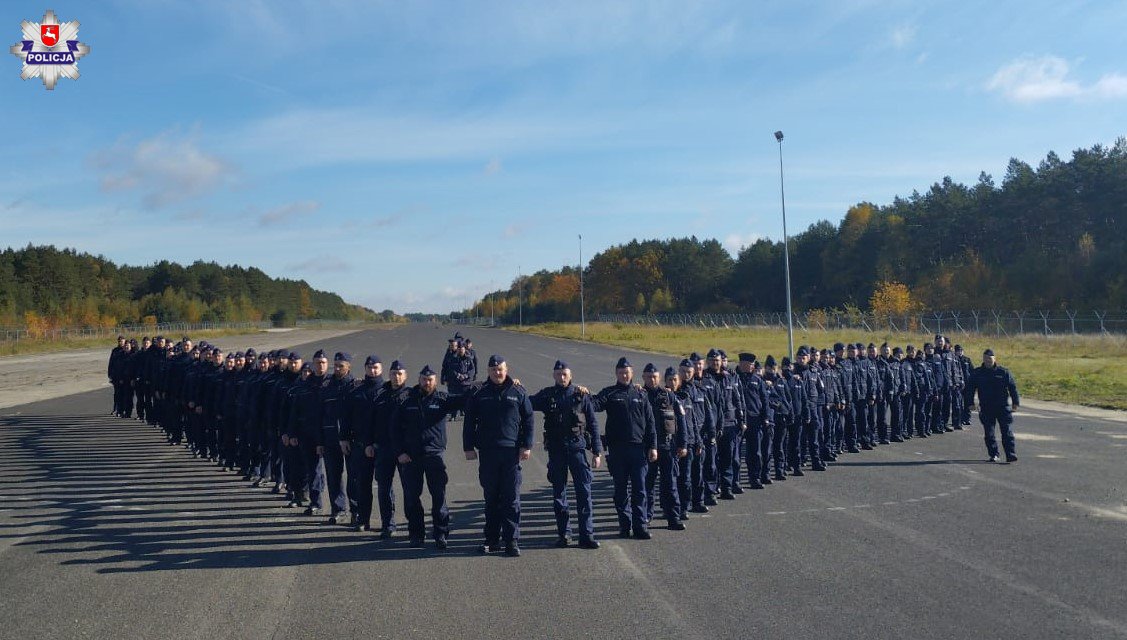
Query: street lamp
{"points": [[520, 298], [786, 249], [582, 311], [491, 305]]}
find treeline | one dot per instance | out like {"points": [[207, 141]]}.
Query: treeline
{"points": [[1050, 237], [47, 287]]}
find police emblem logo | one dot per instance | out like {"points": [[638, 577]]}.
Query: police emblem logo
{"points": [[50, 50], [49, 34]]}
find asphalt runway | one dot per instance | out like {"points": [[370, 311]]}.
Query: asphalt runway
{"points": [[107, 531]]}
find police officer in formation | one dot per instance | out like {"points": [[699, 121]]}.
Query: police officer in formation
{"points": [[498, 433], [631, 440], [571, 429], [676, 441]]}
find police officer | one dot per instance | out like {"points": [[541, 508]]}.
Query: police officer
{"points": [[418, 437], [994, 385], [309, 408], [967, 365], [730, 419], [812, 428], [111, 373], [779, 399], [941, 387], [887, 391], [706, 487], [355, 413], [632, 445], [832, 405], [671, 431], [499, 433], [925, 392], [697, 415], [460, 371], [799, 418], [336, 448], [570, 429], [958, 383], [378, 443], [760, 421]]}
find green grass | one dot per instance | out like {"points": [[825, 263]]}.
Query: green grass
{"points": [[1084, 370]]}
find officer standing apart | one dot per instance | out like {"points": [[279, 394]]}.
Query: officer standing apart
{"points": [[570, 428], [498, 431], [994, 384]]}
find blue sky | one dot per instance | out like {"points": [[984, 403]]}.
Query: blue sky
{"points": [[413, 155]]}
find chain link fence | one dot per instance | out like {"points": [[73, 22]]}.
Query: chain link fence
{"points": [[990, 322]]}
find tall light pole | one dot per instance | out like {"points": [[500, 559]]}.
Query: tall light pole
{"points": [[491, 305], [786, 249], [582, 311], [520, 298]]}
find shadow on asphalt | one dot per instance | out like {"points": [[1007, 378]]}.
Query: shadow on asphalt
{"points": [[108, 493]]}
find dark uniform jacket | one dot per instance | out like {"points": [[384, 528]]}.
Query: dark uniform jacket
{"points": [[629, 418], [498, 416], [567, 414], [993, 385], [669, 419], [418, 427]]}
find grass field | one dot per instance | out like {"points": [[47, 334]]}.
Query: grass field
{"points": [[1085, 370], [22, 347]]}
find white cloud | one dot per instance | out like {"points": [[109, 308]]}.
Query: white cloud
{"points": [[165, 169], [493, 167], [903, 35], [514, 230], [1113, 85], [733, 242], [1036, 79], [287, 212]]}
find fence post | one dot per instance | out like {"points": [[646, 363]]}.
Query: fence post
{"points": [[1072, 319], [1045, 320]]}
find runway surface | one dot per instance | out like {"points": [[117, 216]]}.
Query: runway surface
{"points": [[107, 531]]}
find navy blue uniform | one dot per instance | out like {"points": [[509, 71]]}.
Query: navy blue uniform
{"points": [[377, 434], [731, 422], [760, 427], [799, 417], [499, 424], [941, 391], [925, 394], [570, 428], [418, 430], [355, 416], [337, 388], [704, 492], [994, 385], [672, 433], [690, 480], [307, 417], [779, 399], [630, 434], [811, 430]]}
